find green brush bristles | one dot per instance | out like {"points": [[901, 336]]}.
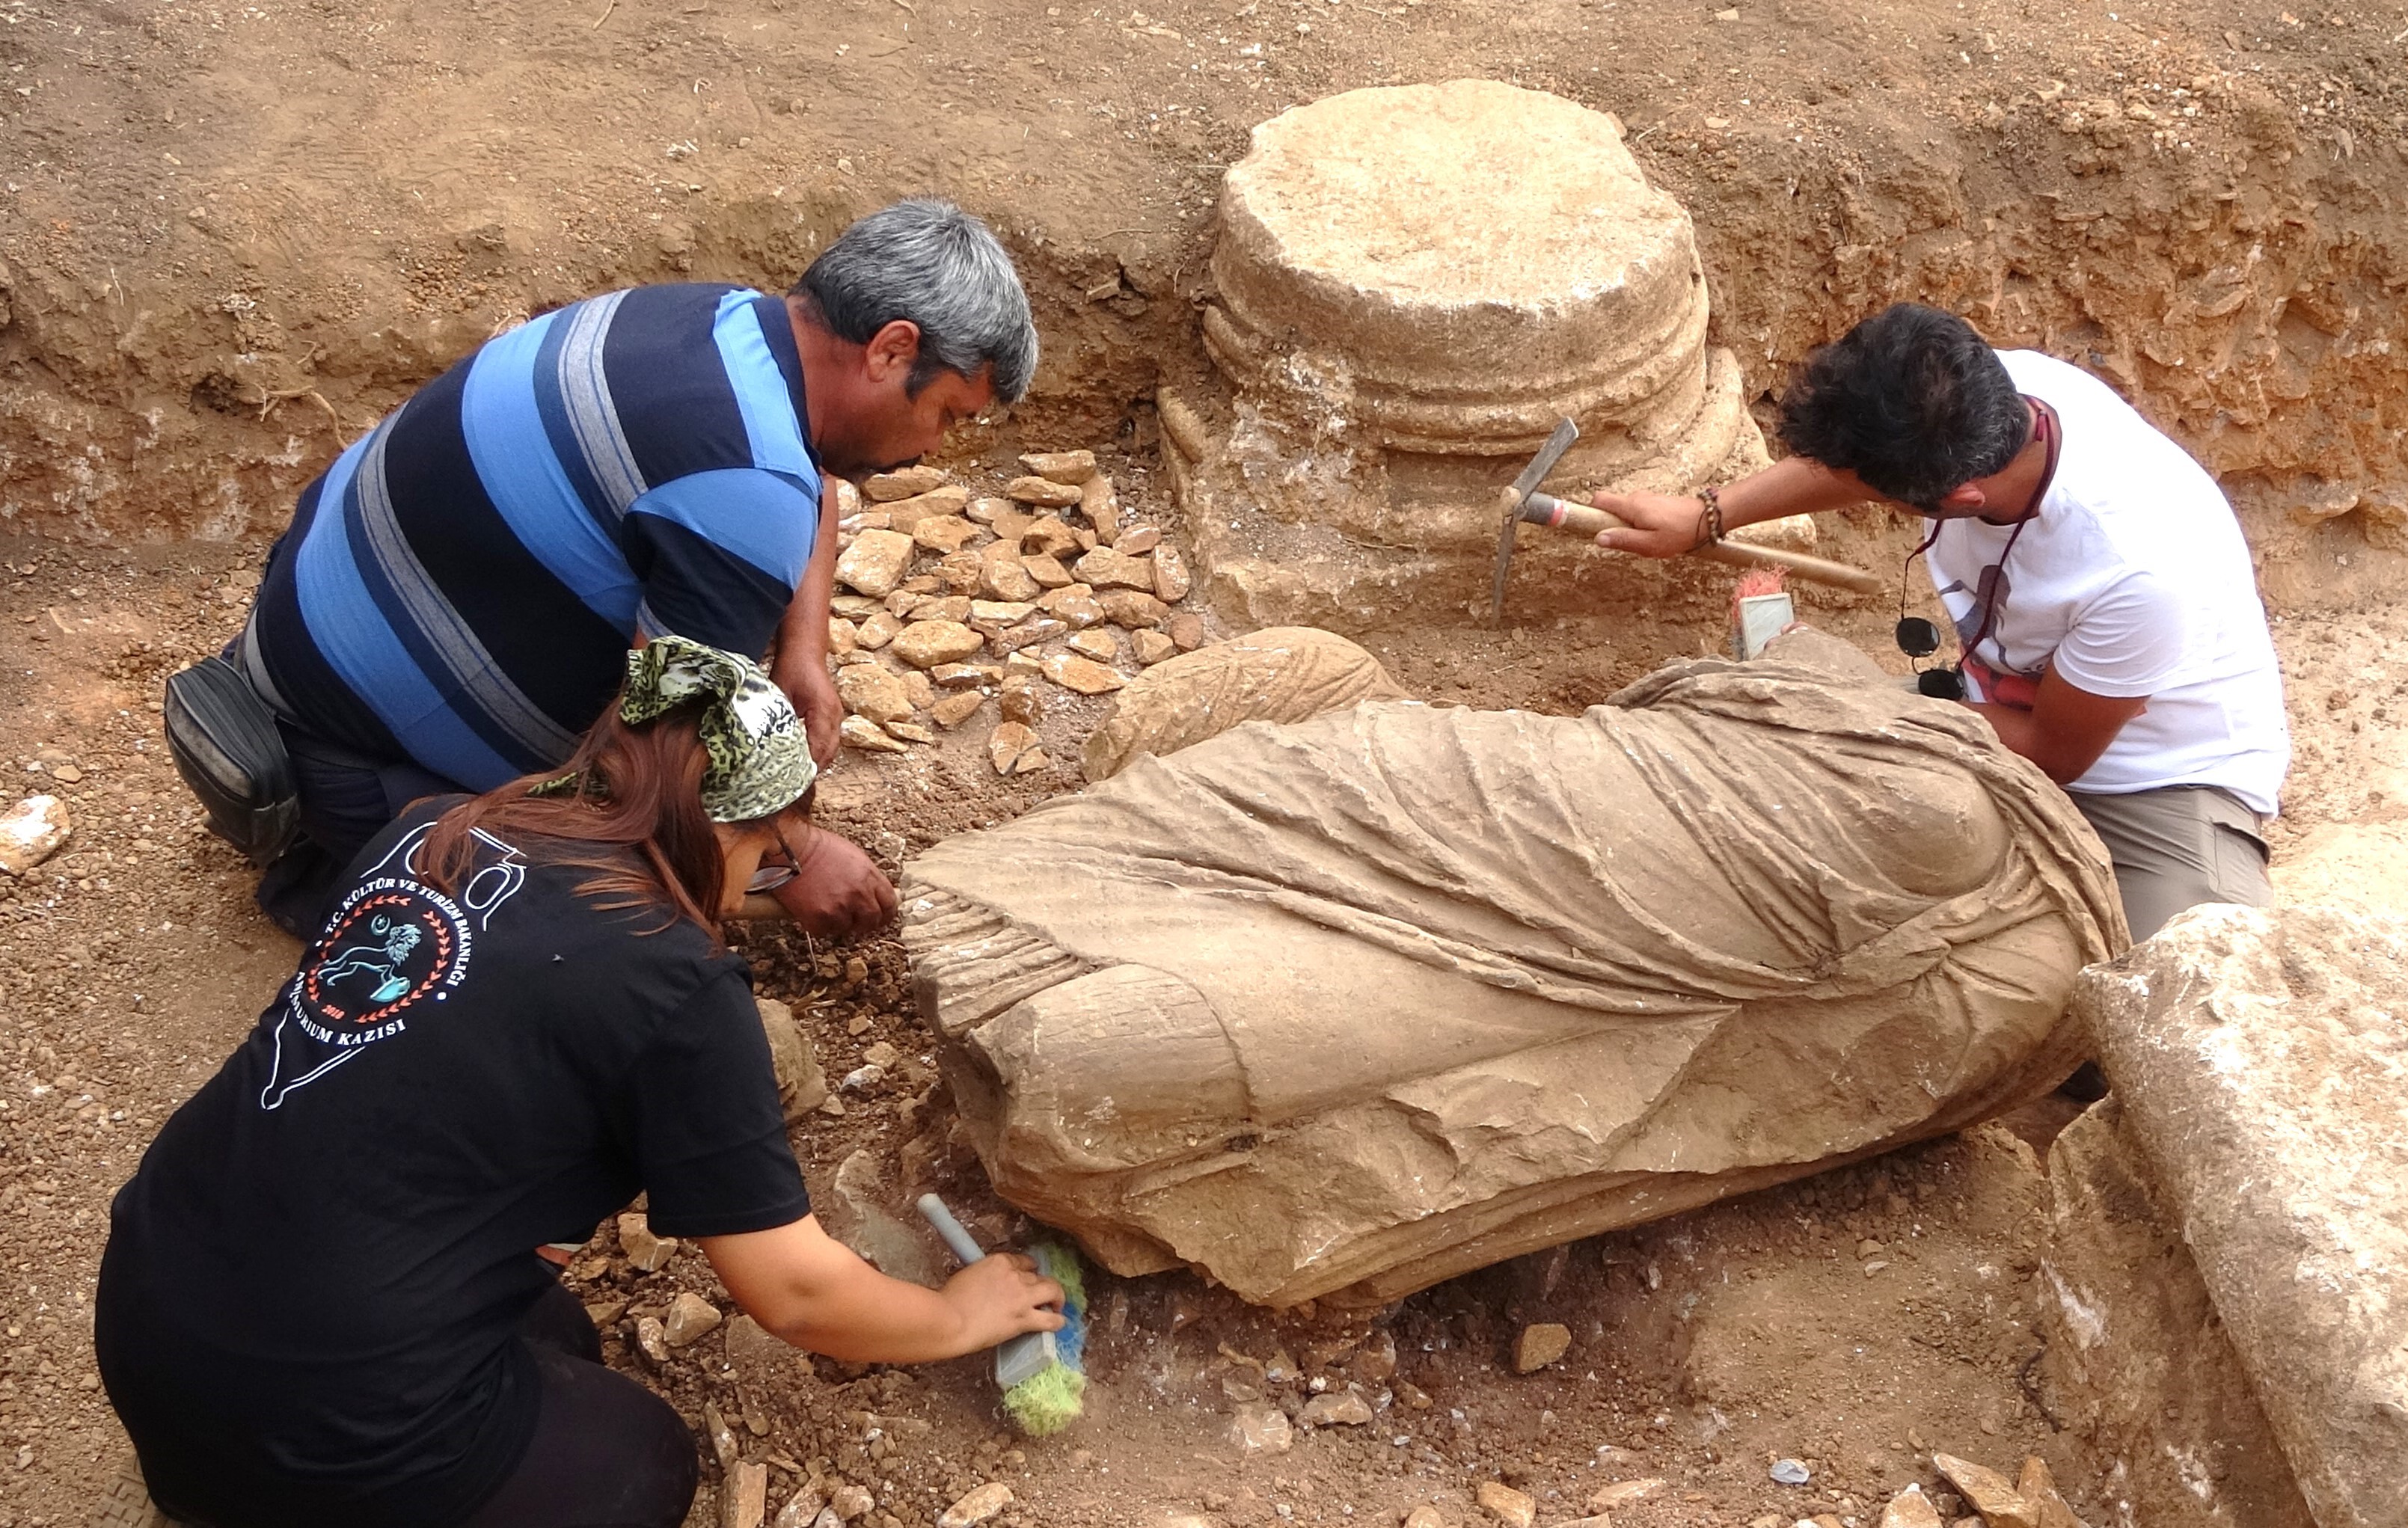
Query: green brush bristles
{"points": [[1047, 1402]]}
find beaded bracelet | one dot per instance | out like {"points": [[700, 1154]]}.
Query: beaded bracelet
{"points": [[1710, 518]]}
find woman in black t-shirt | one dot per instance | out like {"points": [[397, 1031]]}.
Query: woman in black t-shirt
{"points": [[321, 1301]]}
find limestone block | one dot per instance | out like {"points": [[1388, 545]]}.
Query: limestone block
{"points": [[2260, 1057], [2138, 1363], [1284, 674], [1346, 1006]]}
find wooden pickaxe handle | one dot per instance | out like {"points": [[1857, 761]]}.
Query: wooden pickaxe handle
{"points": [[1560, 514]]}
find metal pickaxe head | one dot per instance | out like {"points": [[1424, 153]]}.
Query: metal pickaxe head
{"points": [[1511, 500]]}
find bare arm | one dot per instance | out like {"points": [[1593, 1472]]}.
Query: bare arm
{"points": [[1666, 524], [812, 1290], [801, 665], [2066, 730]]}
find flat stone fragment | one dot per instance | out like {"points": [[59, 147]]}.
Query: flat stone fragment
{"points": [[1097, 643], [840, 637], [1009, 740], [849, 1501], [875, 562], [911, 514], [2038, 1489], [690, 1316], [1261, 1429], [1011, 579], [1171, 578], [1186, 630], [1049, 536], [1107, 568], [1075, 606], [927, 643], [1044, 491], [879, 630], [1047, 570], [902, 483], [1082, 675], [1910, 1509], [1540, 1345], [956, 709], [958, 572], [985, 510], [31, 832], [1986, 1491], [803, 1508], [853, 606], [1152, 646], [1028, 633], [1022, 699], [1032, 760], [861, 733], [1133, 607], [1137, 540], [1605, 1498], [646, 1252], [802, 1087], [878, 694], [1506, 1505], [977, 1507], [943, 533], [1336, 1408], [1072, 468], [1102, 508], [1424, 1516], [652, 1339], [744, 1499], [2242, 1045], [941, 608], [989, 614], [959, 676], [910, 732]]}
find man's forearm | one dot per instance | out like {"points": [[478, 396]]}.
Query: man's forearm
{"points": [[1794, 485]]}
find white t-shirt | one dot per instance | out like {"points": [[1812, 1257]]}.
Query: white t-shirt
{"points": [[2135, 579]]}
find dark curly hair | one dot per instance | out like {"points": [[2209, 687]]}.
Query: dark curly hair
{"points": [[1911, 401]]}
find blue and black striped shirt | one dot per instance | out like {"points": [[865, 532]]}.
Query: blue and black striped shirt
{"points": [[461, 587]]}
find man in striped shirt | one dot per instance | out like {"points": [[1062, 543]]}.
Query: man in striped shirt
{"points": [[453, 602]]}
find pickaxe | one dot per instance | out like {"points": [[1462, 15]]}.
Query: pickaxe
{"points": [[1522, 501]]}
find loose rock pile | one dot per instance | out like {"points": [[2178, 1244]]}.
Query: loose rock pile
{"points": [[948, 601]]}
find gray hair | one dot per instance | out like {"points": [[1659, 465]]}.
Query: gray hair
{"points": [[932, 264]]}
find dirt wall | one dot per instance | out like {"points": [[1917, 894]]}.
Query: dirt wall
{"points": [[192, 322]]}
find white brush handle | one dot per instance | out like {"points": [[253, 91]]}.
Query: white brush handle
{"points": [[965, 1247]]}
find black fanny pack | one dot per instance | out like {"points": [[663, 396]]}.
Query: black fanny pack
{"points": [[224, 742]]}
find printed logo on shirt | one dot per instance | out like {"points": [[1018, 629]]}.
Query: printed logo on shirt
{"points": [[392, 949]]}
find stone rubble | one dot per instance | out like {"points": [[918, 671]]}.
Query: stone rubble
{"points": [[35, 828], [690, 1317], [977, 1507], [1506, 1505], [1540, 1345], [645, 1251]]}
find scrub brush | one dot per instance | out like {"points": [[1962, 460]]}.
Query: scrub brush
{"points": [[1039, 1372]]}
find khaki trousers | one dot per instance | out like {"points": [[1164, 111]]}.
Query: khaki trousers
{"points": [[2178, 847]]}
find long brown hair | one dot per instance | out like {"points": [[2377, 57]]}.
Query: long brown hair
{"points": [[635, 817]]}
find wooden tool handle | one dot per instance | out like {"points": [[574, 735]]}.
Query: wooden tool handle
{"points": [[1546, 510]]}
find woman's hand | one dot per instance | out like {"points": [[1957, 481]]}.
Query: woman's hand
{"points": [[1002, 1295], [837, 890], [814, 1292], [1653, 524]]}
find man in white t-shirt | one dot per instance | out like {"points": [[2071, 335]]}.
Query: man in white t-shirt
{"points": [[2106, 610]]}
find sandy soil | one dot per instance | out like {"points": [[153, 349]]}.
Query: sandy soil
{"points": [[232, 235]]}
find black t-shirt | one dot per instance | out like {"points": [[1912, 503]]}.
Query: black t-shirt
{"points": [[308, 1303]]}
